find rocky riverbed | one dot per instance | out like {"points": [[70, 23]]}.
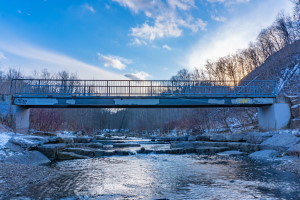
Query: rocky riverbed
{"points": [[29, 156]]}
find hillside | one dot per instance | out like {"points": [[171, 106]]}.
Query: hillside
{"points": [[284, 67]]}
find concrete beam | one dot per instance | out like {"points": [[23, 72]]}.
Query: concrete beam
{"points": [[140, 102], [274, 117]]}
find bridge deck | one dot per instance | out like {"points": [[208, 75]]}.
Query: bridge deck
{"points": [[131, 93]]}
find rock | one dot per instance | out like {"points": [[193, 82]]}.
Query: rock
{"points": [[211, 150], [29, 158], [80, 151], [202, 137], [85, 139], [295, 100], [66, 139], [230, 153], [294, 150], [99, 153], [234, 138], [108, 146], [43, 133], [124, 145], [122, 153], [29, 141], [295, 110], [192, 138], [13, 147], [80, 133], [95, 145], [295, 123], [70, 156], [264, 154], [281, 141], [145, 151], [51, 150], [257, 138]]}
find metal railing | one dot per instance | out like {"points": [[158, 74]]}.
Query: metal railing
{"points": [[84, 88]]}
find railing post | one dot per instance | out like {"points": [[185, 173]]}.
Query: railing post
{"points": [[84, 88], [151, 89], [129, 87]]}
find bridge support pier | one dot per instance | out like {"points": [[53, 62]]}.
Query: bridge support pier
{"points": [[16, 116], [274, 117], [20, 119]]}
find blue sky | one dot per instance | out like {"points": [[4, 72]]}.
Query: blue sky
{"points": [[121, 39]]}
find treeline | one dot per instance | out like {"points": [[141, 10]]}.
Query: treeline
{"points": [[284, 31]]}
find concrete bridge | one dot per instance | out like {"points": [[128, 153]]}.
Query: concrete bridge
{"points": [[41, 93]]}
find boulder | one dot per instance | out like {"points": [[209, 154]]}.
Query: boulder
{"points": [[28, 158], [295, 110], [264, 154], [295, 123], [81, 151], [281, 141], [257, 137], [231, 153], [294, 150], [51, 150], [70, 156], [122, 153]]}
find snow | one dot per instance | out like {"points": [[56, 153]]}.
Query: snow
{"points": [[4, 138], [287, 74]]}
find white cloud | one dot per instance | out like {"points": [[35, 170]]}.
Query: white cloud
{"points": [[234, 34], [167, 47], [88, 8], [137, 76], [228, 1], [114, 61], [2, 56], [29, 57], [164, 18], [218, 18]]}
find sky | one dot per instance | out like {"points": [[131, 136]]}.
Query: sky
{"points": [[128, 39]]}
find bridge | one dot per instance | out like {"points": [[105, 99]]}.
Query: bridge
{"points": [[45, 93]]}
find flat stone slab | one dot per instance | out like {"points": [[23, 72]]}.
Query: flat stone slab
{"points": [[70, 156], [51, 150], [124, 145], [231, 153], [81, 151], [211, 150], [29, 158]]}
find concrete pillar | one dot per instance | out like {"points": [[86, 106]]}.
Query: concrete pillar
{"points": [[274, 117], [20, 119], [16, 116]]}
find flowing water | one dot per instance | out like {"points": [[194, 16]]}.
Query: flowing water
{"points": [[171, 177]]}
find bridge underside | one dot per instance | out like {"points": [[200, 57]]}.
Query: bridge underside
{"points": [[140, 102]]}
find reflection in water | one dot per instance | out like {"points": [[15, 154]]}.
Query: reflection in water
{"points": [[167, 176]]}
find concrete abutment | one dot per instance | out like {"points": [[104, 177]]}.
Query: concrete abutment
{"points": [[274, 117], [16, 116]]}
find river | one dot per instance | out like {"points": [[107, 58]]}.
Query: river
{"points": [[161, 176]]}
